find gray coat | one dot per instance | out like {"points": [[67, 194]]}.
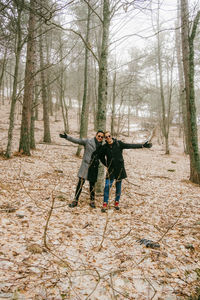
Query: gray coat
{"points": [[89, 148]]}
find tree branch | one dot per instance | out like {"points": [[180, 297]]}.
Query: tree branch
{"points": [[194, 27], [92, 9]]}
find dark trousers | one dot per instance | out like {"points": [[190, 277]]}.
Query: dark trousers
{"points": [[80, 186]]}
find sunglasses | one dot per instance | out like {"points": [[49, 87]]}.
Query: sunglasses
{"points": [[108, 136], [100, 136]]}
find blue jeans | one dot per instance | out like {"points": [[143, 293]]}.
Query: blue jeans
{"points": [[108, 185]]}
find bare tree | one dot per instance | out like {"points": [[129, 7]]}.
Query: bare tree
{"points": [[103, 81], [3, 67], [165, 103], [103, 67], [47, 135], [19, 44], [113, 104], [182, 98], [188, 36], [61, 83], [85, 102], [24, 145]]}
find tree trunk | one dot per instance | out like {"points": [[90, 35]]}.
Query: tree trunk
{"points": [[62, 103], [3, 91], [162, 97], [129, 112], [103, 82], [66, 114], [36, 104], [24, 145], [95, 98], [62, 89], [4, 61], [32, 130], [113, 105], [119, 113], [182, 98], [188, 65], [85, 103], [49, 91], [15, 81], [47, 136], [103, 69]]}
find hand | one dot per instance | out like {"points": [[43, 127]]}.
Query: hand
{"points": [[147, 145], [63, 136]]}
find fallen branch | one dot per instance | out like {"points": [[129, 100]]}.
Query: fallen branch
{"points": [[104, 231], [45, 233], [169, 228]]}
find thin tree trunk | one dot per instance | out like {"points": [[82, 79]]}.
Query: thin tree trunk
{"points": [[15, 81], [62, 90], [85, 103], [49, 92], [62, 103], [47, 136], [3, 69], [129, 113], [113, 105], [35, 106], [103, 82], [162, 97], [3, 92], [103, 69], [119, 113], [188, 65], [66, 114], [32, 129], [24, 145], [95, 97], [182, 98]]}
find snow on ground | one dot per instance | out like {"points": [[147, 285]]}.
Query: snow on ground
{"points": [[50, 251]]}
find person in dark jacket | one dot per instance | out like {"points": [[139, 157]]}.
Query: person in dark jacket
{"points": [[111, 156], [89, 166]]}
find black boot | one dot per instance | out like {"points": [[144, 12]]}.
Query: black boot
{"points": [[92, 204], [73, 204]]}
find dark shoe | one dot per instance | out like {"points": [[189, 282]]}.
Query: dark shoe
{"points": [[104, 208], [116, 205], [92, 204], [149, 243], [73, 204]]}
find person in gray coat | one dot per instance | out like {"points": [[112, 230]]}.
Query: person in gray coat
{"points": [[89, 166]]}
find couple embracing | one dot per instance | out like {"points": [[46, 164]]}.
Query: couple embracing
{"points": [[110, 154]]}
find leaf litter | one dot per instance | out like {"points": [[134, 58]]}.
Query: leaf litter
{"points": [[50, 251]]}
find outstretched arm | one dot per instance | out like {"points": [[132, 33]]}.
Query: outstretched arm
{"points": [[72, 139], [135, 146]]}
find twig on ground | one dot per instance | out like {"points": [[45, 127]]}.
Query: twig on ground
{"points": [[122, 237], [131, 182], [112, 286], [169, 228], [45, 233], [104, 231]]}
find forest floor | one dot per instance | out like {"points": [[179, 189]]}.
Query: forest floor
{"points": [[50, 251]]}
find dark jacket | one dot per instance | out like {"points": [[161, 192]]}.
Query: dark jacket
{"points": [[111, 156], [94, 163]]}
